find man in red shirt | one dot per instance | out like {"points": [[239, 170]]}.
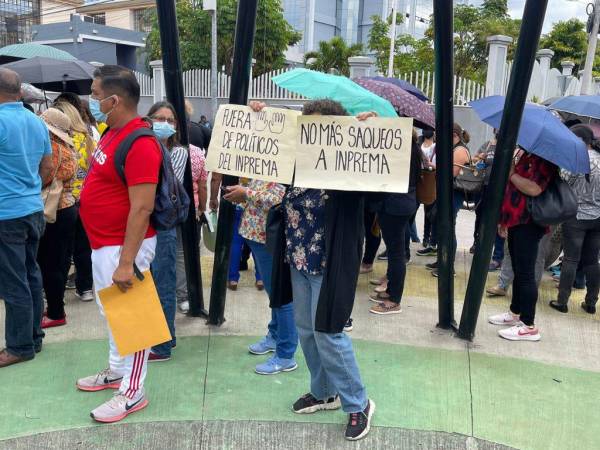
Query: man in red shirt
{"points": [[116, 217]]}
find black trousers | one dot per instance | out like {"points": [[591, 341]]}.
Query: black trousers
{"points": [[372, 242], [393, 229], [54, 256], [82, 258], [523, 243], [581, 241]]}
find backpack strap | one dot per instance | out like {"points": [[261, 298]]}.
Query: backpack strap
{"points": [[124, 147]]}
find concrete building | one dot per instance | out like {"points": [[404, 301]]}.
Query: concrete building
{"points": [[16, 19], [320, 20], [93, 42], [128, 14]]}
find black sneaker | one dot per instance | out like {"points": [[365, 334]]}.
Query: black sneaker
{"points": [[559, 306], [431, 266], [383, 256], [436, 273], [307, 404], [348, 327], [359, 424], [427, 251], [588, 308]]}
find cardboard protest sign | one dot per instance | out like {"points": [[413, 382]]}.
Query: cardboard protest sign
{"points": [[345, 154], [254, 145]]}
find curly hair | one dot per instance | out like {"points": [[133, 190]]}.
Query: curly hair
{"points": [[324, 107]]}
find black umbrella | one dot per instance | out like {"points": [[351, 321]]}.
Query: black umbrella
{"points": [[54, 74]]}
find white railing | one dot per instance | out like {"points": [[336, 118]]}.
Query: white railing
{"points": [[146, 83], [465, 90], [197, 84]]}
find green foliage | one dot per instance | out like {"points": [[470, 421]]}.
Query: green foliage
{"points": [[273, 35], [495, 9], [332, 54], [569, 41], [472, 26]]}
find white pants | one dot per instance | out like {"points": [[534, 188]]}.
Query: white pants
{"points": [[133, 367]]}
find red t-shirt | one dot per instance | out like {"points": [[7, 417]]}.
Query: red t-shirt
{"points": [[104, 202], [514, 207]]}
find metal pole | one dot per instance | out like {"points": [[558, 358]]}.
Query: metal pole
{"points": [[531, 29], [586, 81], [213, 66], [169, 39], [444, 118], [393, 39], [240, 82]]}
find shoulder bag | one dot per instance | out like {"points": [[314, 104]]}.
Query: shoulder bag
{"points": [[470, 179], [556, 205], [51, 194]]}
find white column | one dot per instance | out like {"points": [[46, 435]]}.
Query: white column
{"points": [[361, 66], [545, 56], [567, 67], [309, 33], [158, 77], [498, 53]]}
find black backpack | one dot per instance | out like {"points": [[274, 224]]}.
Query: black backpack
{"points": [[172, 204]]}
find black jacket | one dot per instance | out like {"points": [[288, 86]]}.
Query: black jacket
{"points": [[344, 235]]}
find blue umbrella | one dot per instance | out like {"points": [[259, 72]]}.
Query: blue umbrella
{"points": [[581, 105], [541, 133], [413, 90]]}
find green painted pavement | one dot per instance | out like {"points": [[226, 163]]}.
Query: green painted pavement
{"points": [[514, 402]]}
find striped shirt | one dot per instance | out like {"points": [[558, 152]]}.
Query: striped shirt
{"points": [[587, 188], [178, 160]]}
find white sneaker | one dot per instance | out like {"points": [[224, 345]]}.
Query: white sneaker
{"points": [[504, 319], [520, 332], [184, 306], [118, 407], [104, 379], [86, 296]]}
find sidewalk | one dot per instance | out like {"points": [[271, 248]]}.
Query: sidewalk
{"points": [[432, 390]]}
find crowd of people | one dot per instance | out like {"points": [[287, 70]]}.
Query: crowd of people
{"points": [[66, 202]]}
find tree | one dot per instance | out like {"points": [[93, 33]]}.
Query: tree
{"points": [[273, 35], [568, 39], [472, 26], [332, 54], [410, 54], [495, 9]]}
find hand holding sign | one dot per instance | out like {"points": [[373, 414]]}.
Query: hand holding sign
{"points": [[254, 142]]}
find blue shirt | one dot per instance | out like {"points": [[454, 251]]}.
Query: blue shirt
{"points": [[24, 140], [305, 229]]}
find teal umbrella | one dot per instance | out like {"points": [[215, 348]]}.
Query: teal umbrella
{"points": [[315, 85]]}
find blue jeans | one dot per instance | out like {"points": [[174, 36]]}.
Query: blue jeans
{"points": [[282, 328], [498, 254], [164, 273], [329, 357], [237, 244], [21, 283]]}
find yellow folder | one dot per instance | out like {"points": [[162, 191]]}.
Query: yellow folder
{"points": [[136, 318]]}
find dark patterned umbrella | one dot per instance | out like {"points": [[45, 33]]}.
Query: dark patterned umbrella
{"points": [[402, 84], [406, 105]]}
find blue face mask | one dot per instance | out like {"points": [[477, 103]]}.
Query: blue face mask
{"points": [[95, 110], [163, 130]]}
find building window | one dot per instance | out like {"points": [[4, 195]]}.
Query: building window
{"points": [[16, 20], [142, 20], [99, 18]]}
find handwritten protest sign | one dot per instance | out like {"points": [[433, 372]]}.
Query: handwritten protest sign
{"points": [[254, 145], [345, 154]]}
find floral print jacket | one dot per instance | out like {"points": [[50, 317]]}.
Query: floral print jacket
{"points": [[305, 229], [261, 196]]}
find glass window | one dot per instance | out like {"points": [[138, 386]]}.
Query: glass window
{"points": [[99, 18], [16, 20], [141, 20]]}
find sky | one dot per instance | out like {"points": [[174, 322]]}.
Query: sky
{"points": [[557, 10]]}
